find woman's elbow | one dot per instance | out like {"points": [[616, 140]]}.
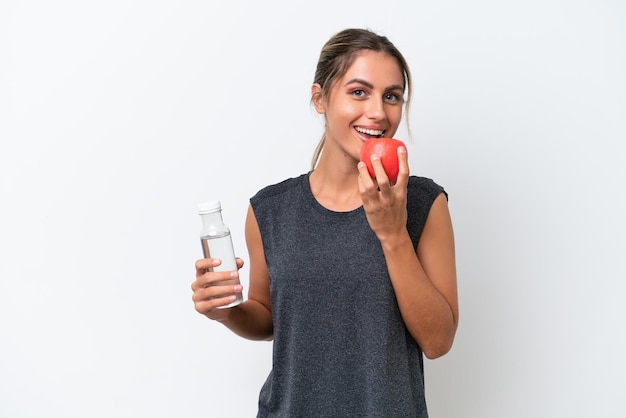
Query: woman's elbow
{"points": [[438, 347], [435, 351]]}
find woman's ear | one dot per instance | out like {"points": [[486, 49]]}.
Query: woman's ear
{"points": [[316, 98]]}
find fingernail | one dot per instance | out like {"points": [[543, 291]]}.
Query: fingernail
{"points": [[234, 274], [237, 288]]}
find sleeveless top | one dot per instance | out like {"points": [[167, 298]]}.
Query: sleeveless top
{"points": [[341, 348]]}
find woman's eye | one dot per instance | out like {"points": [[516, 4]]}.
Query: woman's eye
{"points": [[391, 97], [358, 93]]}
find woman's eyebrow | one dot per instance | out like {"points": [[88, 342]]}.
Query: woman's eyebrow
{"points": [[395, 87], [360, 81], [371, 86]]}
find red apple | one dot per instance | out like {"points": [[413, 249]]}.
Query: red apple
{"points": [[387, 151]]}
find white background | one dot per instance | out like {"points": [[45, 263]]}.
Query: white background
{"points": [[118, 117]]}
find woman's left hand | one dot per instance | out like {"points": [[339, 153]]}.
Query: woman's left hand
{"points": [[385, 203]]}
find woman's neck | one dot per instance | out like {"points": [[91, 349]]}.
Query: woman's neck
{"points": [[335, 190]]}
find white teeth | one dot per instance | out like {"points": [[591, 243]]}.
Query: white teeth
{"points": [[372, 132]]}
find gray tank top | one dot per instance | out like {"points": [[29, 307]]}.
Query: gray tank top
{"points": [[340, 346]]}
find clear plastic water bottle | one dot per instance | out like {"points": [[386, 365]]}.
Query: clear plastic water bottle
{"points": [[217, 243]]}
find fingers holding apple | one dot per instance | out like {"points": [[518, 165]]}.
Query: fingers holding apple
{"points": [[386, 149]]}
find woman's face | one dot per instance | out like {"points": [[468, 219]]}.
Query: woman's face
{"points": [[366, 102]]}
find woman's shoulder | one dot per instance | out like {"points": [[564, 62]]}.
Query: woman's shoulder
{"points": [[425, 187], [278, 188]]}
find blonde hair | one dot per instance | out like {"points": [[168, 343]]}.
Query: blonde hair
{"points": [[338, 54]]}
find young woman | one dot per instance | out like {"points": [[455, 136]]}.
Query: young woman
{"points": [[352, 277]]}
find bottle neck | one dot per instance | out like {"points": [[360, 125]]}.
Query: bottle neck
{"points": [[213, 224]]}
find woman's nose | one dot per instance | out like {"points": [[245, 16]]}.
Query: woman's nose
{"points": [[375, 109]]}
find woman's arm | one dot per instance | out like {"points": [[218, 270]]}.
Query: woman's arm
{"points": [[424, 279], [251, 319]]}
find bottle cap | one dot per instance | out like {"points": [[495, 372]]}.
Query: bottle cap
{"points": [[210, 206]]}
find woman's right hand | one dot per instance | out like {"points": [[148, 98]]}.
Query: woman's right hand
{"points": [[213, 289]]}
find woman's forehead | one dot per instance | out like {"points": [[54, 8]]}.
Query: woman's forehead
{"points": [[376, 68]]}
